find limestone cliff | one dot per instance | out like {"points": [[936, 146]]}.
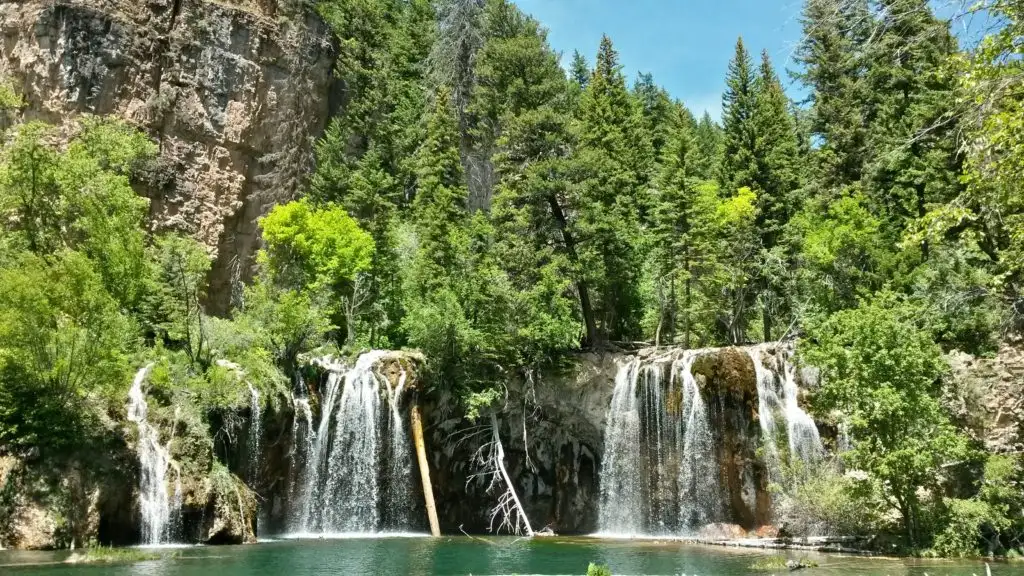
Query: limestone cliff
{"points": [[987, 394], [235, 94]]}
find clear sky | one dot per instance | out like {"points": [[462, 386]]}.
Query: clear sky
{"points": [[686, 44]]}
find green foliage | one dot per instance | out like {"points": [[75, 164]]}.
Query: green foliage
{"points": [[611, 169], [819, 501], [598, 570], [64, 343], [769, 564], [313, 248], [882, 371], [179, 268], [739, 163], [80, 198]]}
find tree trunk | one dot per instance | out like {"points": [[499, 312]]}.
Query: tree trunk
{"points": [[581, 285], [421, 457]]}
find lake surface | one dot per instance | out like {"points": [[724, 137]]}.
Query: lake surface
{"points": [[460, 556]]}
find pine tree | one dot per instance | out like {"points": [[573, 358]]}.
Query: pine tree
{"points": [[440, 197], [708, 143], [683, 234], [739, 165], [777, 184], [836, 33], [777, 177], [522, 87], [610, 197], [914, 160], [579, 70], [656, 108]]}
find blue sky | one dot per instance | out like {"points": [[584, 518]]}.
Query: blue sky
{"points": [[686, 44]]}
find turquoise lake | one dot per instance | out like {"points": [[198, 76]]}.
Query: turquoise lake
{"points": [[462, 556]]}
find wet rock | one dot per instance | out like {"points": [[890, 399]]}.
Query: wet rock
{"points": [[767, 531], [722, 531]]}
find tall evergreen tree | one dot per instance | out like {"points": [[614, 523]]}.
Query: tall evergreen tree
{"points": [[777, 177], [739, 167], [833, 60], [683, 235], [579, 70], [777, 184], [522, 88], [708, 143], [914, 161], [612, 168], [656, 108]]}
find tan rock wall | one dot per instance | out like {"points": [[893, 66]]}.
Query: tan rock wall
{"points": [[234, 93], [988, 395]]}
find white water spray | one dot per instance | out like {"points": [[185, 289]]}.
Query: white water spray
{"points": [[357, 474], [255, 433], [659, 475], [154, 460]]}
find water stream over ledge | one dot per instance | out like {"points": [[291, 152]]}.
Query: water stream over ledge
{"points": [[690, 443], [353, 473]]}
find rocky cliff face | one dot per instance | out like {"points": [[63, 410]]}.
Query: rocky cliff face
{"points": [[235, 93], [988, 396]]}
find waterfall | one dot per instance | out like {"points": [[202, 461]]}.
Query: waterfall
{"points": [[355, 470], [700, 486], [659, 474], [804, 439], [682, 451], [255, 432], [621, 497], [155, 505], [768, 406], [778, 396]]}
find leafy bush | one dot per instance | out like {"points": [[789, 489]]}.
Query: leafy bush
{"points": [[598, 570], [964, 521]]}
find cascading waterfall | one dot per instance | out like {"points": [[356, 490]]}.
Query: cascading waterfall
{"points": [[768, 405], [354, 473], [621, 497], [700, 490], [804, 438], [255, 432], [155, 505], [778, 396], [659, 474], [679, 456]]}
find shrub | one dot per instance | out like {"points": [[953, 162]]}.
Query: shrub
{"points": [[598, 570]]}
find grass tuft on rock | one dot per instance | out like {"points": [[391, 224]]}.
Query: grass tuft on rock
{"points": [[769, 564]]}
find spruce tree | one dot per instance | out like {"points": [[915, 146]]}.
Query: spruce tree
{"points": [[656, 107], [612, 168], [777, 184], [914, 161], [777, 177], [522, 87], [833, 62], [683, 236], [739, 166], [579, 70], [440, 197], [708, 143]]}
